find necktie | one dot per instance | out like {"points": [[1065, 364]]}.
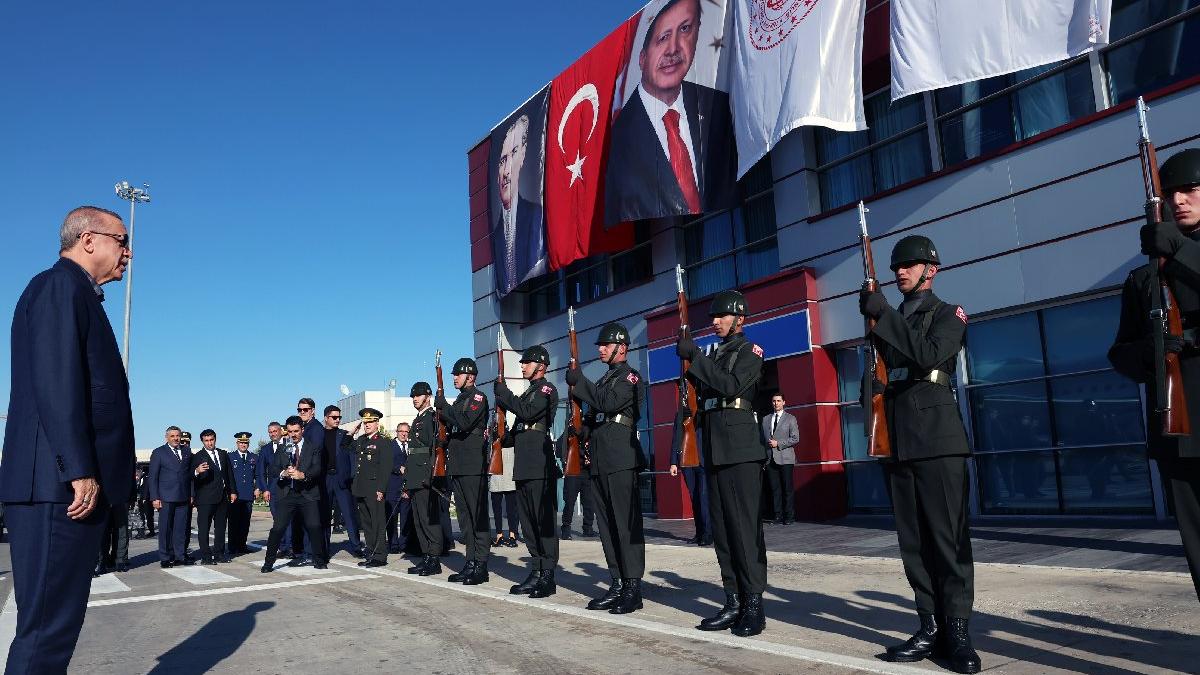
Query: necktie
{"points": [[217, 459], [510, 251], [681, 164], [775, 424], [178, 455]]}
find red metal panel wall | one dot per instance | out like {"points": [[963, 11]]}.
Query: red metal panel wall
{"points": [[477, 196]]}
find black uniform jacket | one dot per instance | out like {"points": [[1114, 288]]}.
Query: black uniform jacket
{"points": [[467, 454], [372, 465], [532, 447], [1132, 353], [423, 436], [922, 416], [212, 486], [731, 435], [613, 446]]}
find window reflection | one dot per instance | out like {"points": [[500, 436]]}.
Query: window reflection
{"points": [[1011, 416], [1018, 482]]}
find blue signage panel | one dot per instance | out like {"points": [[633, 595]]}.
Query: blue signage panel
{"points": [[779, 336]]}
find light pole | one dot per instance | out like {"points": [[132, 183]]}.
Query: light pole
{"points": [[133, 196]]}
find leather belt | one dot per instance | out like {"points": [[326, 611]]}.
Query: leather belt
{"points": [[934, 376], [537, 426], [624, 420], [727, 404]]}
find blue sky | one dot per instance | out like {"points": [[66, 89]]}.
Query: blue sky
{"points": [[307, 162]]}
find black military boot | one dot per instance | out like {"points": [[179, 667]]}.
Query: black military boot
{"points": [[545, 586], [479, 575], [631, 598], [726, 617], [467, 570], [526, 586], [434, 567], [588, 531], [752, 621], [960, 655], [609, 599], [564, 532], [920, 645], [421, 564]]}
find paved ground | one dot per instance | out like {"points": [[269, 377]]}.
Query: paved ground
{"points": [[837, 596]]}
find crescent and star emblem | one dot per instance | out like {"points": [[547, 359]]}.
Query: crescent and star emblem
{"points": [[589, 94]]}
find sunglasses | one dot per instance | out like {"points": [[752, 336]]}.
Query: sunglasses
{"points": [[303, 409], [335, 417], [121, 239]]}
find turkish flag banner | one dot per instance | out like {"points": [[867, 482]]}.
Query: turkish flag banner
{"points": [[581, 101]]}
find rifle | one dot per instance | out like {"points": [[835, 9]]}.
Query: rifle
{"points": [[439, 446], [879, 442], [1164, 311], [572, 464], [496, 462], [689, 453]]}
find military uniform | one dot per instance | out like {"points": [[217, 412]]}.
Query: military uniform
{"points": [[372, 470], [616, 459], [419, 479], [467, 463], [245, 472], [535, 472]]}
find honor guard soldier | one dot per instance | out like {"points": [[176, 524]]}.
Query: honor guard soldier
{"points": [[372, 470], [927, 473], [467, 463], [419, 480], [616, 459], [1177, 242], [734, 455], [245, 473], [535, 470]]}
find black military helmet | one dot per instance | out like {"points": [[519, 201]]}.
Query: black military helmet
{"points": [[613, 333], [421, 389], [465, 366], [1180, 169], [728, 302], [914, 249], [536, 354]]}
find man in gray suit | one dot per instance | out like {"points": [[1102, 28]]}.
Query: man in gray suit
{"points": [[782, 434]]}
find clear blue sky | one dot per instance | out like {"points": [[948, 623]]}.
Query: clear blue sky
{"points": [[308, 170]]}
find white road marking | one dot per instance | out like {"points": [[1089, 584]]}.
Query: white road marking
{"points": [[108, 583], [726, 639], [227, 590], [199, 575], [8, 623]]}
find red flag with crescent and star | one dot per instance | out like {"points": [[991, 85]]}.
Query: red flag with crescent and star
{"points": [[577, 126]]}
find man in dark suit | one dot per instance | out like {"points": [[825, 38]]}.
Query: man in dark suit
{"points": [[671, 148], [266, 486], [185, 439], [244, 465], [782, 434], [213, 490], [170, 489], [306, 410], [68, 445], [147, 508], [398, 503], [295, 475], [517, 247], [694, 478], [339, 473]]}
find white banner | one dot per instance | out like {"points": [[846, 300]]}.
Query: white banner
{"points": [[939, 43], [795, 63]]}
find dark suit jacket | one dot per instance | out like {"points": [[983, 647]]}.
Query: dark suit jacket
{"points": [[311, 464], [212, 486], [639, 182], [170, 477], [528, 249], [396, 482], [266, 459], [68, 413]]}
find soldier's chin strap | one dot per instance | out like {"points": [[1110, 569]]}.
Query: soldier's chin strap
{"points": [[924, 277]]}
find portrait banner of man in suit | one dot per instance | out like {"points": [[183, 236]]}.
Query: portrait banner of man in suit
{"points": [[515, 172], [671, 147]]}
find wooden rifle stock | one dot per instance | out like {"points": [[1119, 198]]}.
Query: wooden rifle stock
{"points": [[879, 441], [572, 462], [496, 460], [1164, 311], [689, 451], [439, 446]]}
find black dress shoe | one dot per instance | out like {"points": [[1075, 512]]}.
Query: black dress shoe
{"points": [[564, 533], [225, 558], [588, 531], [122, 567], [526, 586], [917, 647], [545, 586], [511, 541], [362, 563], [376, 563], [186, 561], [753, 620], [610, 598], [631, 598], [166, 564], [459, 577], [320, 566], [421, 564], [207, 561], [434, 567], [960, 655], [300, 562], [726, 617], [358, 553], [99, 570], [268, 566], [479, 575]]}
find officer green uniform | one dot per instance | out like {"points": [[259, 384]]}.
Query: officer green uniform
{"points": [[467, 463], [734, 456], [927, 475], [535, 472], [1132, 353], [372, 469], [418, 476], [616, 459]]}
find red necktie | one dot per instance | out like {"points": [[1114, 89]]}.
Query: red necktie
{"points": [[681, 164]]}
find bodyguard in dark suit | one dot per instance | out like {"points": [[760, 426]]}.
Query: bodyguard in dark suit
{"points": [[296, 476], [396, 497], [214, 491], [339, 473], [170, 488], [466, 461], [694, 478], [372, 471], [266, 483], [575, 489], [244, 465], [68, 444], [422, 485]]}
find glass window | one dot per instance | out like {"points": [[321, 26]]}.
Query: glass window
{"points": [[1096, 409], [737, 246], [866, 486], [1106, 480], [1131, 16], [589, 279], [1006, 349], [1163, 57], [546, 297], [1078, 335], [1018, 482], [854, 437], [1011, 416]]}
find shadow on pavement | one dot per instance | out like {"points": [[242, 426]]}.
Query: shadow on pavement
{"points": [[213, 643]]}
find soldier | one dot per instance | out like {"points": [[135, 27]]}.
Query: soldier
{"points": [[927, 473], [185, 440], [616, 458], [245, 472], [419, 480], [734, 454], [372, 469], [534, 469], [1132, 354], [466, 462]]}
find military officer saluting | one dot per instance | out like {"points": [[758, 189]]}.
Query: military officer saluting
{"points": [[372, 469], [466, 462], [245, 472], [419, 480], [535, 471], [616, 458], [734, 455], [927, 473]]}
